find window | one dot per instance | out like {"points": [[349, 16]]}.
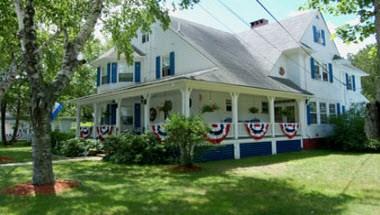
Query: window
{"points": [[165, 66], [332, 110], [104, 75], [319, 35], [325, 73], [317, 72], [313, 112], [323, 112], [125, 73], [264, 107], [145, 38], [290, 114], [228, 105], [349, 82]]}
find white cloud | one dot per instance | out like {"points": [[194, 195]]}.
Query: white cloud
{"points": [[350, 48]]}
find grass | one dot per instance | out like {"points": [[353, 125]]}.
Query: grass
{"points": [[313, 182], [17, 153]]}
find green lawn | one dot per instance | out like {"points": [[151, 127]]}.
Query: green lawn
{"points": [[314, 182], [17, 153]]}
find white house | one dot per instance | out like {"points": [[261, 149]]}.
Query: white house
{"points": [[266, 90]]}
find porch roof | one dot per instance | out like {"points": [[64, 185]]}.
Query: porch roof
{"points": [[197, 80]]}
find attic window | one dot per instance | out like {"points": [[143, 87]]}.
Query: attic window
{"points": [[145, 38], [281, 71]]}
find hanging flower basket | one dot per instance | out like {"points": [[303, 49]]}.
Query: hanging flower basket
{"points": [[209, 108]]}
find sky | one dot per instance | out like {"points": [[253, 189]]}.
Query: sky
{"points": [[250, 10]]}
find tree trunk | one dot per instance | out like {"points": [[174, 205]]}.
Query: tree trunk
{"points": [[41, 144], [3, 110], [17, 120], [372, 121]]}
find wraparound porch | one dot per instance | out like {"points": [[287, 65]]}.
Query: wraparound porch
{"points": [[141, 109]]}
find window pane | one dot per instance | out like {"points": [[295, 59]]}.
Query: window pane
{"points": [[165, 66], [125, 77], [332, 109], [228, 105], [323, 112], [313, 112]]}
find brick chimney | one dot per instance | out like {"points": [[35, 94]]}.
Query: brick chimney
{"points": [[259, 23]]}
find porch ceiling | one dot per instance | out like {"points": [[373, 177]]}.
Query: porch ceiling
{"points": [[178, 83]]}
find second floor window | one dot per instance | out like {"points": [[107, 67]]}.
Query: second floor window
{"points": [[125, 73], [145, 38], [165, 66], [104, 75]]}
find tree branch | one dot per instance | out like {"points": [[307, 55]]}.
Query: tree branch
{"points": [[47, 42], [9, 78], [72, 49]]}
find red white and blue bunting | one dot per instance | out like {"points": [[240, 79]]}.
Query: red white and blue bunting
{"points": [[218, 132], [257, 130], [159, 131], [104, 131], [289, 129], [85, 132]]}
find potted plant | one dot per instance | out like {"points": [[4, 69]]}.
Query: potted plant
{"points": [[166, 108], [253, 110], [209, 108]]}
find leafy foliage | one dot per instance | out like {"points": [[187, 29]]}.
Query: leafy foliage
{"points": [[76, 147], [186, 133], [349, 132], [349, 32], [138, 149], [365, 60], [57, 137]]}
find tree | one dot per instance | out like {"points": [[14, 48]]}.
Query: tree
{"points": [[185, 133], [365, 60], [369, 24], [69, 24]]}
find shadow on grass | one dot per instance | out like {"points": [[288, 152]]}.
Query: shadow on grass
{"points": [[115, 189]]}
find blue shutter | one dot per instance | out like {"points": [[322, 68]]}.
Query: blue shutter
{"points": [[315, 33], [331, 73], [338, 108], [353, 83], [158, 67], [323, 37], [347, 81], [172, 63], [108, 73], [137, 72], [343, 109], [312, 68], [308, 110], [114, 73], [98, 76]]}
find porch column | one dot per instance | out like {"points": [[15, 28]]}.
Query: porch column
{"points": [[96, 119], [146, 112], [118, 115], [272, 122], [78, 121], [235, 122], [302, 118], [186, 93]]}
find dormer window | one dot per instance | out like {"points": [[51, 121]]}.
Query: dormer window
{"points": [[145, 38], [319, 36], [125, 73]]}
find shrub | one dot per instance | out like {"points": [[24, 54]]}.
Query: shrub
{"points": [[57, 137], [77, 147], [138, 149], [185, 133], [349, 134]]}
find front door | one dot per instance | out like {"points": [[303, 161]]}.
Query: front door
{"points": [[137, 117]]}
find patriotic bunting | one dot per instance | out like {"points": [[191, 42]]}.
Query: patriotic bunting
{"points": [[85, 132], [104, 131], [218, 132], [289, 129], [256, 130], [159, 131]]}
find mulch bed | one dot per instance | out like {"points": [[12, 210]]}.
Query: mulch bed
{"points": [[4, 160], [185, 169], [28, 189]]}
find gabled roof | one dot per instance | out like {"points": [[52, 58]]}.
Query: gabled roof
{"points": [[277, 40], [238, 63]]}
